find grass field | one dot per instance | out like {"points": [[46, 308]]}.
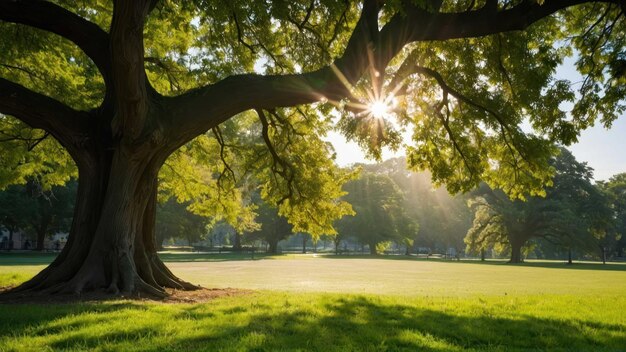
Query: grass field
{"points": [[340, 304]]}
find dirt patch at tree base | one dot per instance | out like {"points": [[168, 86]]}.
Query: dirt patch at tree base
{"points": [[174, 296]]}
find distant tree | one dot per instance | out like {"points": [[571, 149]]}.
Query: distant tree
{"points": [[573, 187], [15, 209], [53, 210], [305, 239], [378, 204], [273, 227], [32, 208], [220, 234], [443, 218], [501, 223], [573, 213], [174, 220], [615, 189]]}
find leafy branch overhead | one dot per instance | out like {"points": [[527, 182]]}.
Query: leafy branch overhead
{"points": [[490, 78]]}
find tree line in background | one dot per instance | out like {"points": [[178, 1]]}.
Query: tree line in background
{"points": [[396, 207], [36, 212], [392, 207]]}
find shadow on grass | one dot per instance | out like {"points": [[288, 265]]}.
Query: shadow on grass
{"points": [[338, 324], [213, 257], [26, 258], [44, 258], [554, 264]]}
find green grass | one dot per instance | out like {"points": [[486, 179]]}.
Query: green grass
{"points": [[342, 304]]}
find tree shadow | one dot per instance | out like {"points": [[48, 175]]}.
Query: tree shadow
{"points": [[335, 324], [554, 264], [213, 257], [38, 319], [551, 264], [360, 323], [45, 258], [26, 258]]}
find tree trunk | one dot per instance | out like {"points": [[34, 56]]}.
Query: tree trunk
{"points": [[516, 252], [373, 250], [10, 243], [273, 246], [304, 239], [42, 229], [41, 238], [482, 255], [569, 256], [237, 242], [111, 244]]}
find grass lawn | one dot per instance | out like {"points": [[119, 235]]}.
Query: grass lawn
{"points": [[328, 303]]}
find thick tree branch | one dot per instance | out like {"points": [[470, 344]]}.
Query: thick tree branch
{"points": [[129, 75], [40, 111], [45, 15], [197, 111], [422, 25]]}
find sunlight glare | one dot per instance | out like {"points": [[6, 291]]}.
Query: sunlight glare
{"points": [[379, 109]]}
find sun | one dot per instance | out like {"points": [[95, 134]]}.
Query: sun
{"points": [[379, 109]]}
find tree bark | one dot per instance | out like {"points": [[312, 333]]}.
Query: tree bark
{"points": [[111, 244]]}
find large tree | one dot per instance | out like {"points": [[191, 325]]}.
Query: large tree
{"points": [[573, 214], [615, 188], [123, 85], [379, 216]]}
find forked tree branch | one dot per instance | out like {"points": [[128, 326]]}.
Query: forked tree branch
{"points": [[45, 15]]}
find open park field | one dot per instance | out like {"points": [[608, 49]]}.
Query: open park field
{"points": [[307, 302]]}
